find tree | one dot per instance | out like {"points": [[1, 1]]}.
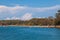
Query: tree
{"points": [[50, 20], [57, 20]]}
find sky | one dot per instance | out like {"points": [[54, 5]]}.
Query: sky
{"points": [[28, 9]]}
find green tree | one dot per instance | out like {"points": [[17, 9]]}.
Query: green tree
{"points": [[57, 20]]}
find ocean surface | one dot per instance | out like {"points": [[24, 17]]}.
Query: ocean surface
{"points": [[28, 33]]}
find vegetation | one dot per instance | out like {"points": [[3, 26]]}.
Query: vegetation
{"points": [[34, 21], [57, 20]]}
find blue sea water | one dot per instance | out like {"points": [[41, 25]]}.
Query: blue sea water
{"points": [[29, 33]]}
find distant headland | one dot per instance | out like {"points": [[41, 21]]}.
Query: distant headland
{"points": [[49, 21]]}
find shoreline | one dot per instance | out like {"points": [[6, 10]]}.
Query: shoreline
{"points": [[52, 26], [29, 26]]}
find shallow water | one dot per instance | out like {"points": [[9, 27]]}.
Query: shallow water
{"points": [[29, 33]]}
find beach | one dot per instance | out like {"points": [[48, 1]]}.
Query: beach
{"points": [[58, 26]]}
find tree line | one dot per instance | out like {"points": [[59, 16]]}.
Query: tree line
{"points": [[35, 21]]}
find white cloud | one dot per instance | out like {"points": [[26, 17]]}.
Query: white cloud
{"points": [[7, 18], [27, 16], [13, 18], [14, 10], [18, 8], [43, 9]]}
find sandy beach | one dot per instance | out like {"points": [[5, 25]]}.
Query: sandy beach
{"points": [[58, 26]]}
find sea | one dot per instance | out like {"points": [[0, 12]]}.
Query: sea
{"points": [[28, 33]]}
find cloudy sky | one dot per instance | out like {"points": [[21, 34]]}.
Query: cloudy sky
{"points": [[27, 9]]}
